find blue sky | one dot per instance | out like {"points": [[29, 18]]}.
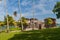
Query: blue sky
{"points": [[42, 9]]}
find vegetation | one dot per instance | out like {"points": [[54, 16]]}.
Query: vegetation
{"points": [[24, 22], [15, 14], [49, 21], [6, 36], [10, 20], [1, 23], [45, 34], [13, 28], [56, 9]]}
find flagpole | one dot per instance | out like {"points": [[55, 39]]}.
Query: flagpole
{"points": [[20, 14], [6, 15]]}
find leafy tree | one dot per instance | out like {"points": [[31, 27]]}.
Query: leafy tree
{"points": [[1, 23], [24, 22], [48, 22], [56, 9], [10, 20]]}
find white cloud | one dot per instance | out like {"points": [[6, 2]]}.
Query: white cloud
{"points": [[26, 2], [40, 6]]}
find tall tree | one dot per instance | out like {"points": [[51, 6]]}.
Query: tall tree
{"points": [[24, 22], [20, 14], [56, 9], [10, 20], [15, 14]]}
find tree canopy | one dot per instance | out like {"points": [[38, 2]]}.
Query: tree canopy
{"points": [[1, 23], [10, 20], [24, 21], [49, 21], [56, 9]]}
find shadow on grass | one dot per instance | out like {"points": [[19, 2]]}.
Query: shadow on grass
{"points": [[37, 35]]}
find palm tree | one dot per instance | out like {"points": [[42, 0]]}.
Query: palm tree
{"points": [[10, 20], [6, 16], [15, 14], [20, 14]]}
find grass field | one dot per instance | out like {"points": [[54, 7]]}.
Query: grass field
{"points": [[6, 36], [45, 34]]}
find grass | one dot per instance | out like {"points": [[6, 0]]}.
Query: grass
{"points": [[6, 36], [14, 29], [45, 34]]}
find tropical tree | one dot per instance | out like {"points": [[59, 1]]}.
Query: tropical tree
{"points": [[15, 14], [24, 22], [1, 23], [56, 9], [10, 20]]}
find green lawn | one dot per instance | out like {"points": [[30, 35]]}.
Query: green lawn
{"points": [[45, 34], [6, 36]]}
